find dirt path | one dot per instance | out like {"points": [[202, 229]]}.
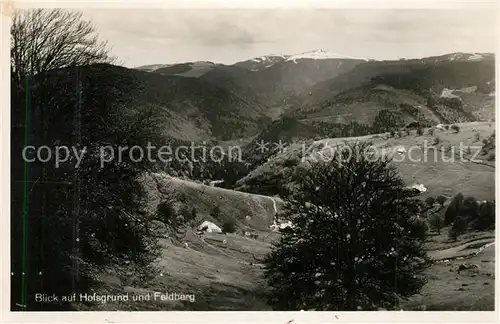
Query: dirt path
{"points": [[461, 250], [274, 205]]}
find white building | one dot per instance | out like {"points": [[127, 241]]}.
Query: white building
{"points": [[209, 227]]}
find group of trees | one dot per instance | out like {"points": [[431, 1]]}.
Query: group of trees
{"points": [[462, 214], [173, 211], [385, 121], [434, 219], [67, 222], [488, 148], [466, 212], [350, 129], [289, 129], [201, 167]]}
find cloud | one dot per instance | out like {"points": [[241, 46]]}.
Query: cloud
{"points": [[144, 36], [204, 27], [221, 33]]}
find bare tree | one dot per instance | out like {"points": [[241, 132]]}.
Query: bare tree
{"points": [[43, 40]]}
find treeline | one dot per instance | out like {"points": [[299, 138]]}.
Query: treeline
{"points": [[420, 77], [385, 121], [198, 165]]}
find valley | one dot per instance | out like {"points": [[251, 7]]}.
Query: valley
{"points": [[226, 271]]}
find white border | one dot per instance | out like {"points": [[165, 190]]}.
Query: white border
{"points": [[247, 4], [210, 317]]}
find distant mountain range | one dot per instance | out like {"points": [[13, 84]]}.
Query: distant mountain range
{"points": [[258, 63], [321, 86], [417, 82], [205, 101]]}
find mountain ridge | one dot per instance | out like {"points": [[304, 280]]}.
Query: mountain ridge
{"points": [[323, 86]]}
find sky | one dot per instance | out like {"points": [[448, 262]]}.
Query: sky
{"points": [[166, 36]]}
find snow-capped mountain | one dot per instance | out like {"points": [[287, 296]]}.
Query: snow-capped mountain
{"points": [[460, 57], [270, 58], [469, 56], [320, 54], [152, 67], [262, 62]]}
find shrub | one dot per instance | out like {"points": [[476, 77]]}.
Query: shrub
{"points": [[454, 103], [490, 156], [216, 212], [477, 137], [455, 128], [375, 238], [452, 234], [400, 134], [420, 131], [436, 223], [447, 127], [419, 228], [229, 227], [429, 201], [413, 125], [392, 133], [166, 213], [190, 216], [412, 192], [437, 140], [182, 198], [489, 147], [441, 200], [430, 132], [453, 209], [458, 228], [291, 162]]}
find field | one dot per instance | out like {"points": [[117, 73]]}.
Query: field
{"points": [[423, 162]]}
